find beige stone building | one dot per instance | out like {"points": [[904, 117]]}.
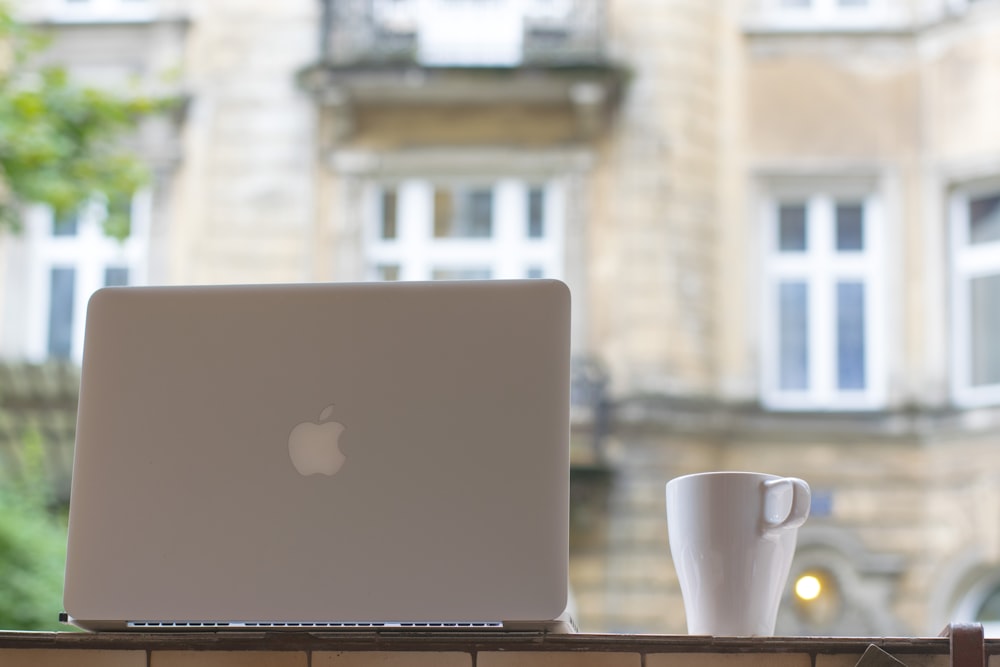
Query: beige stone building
{"points": [[780, 220]]}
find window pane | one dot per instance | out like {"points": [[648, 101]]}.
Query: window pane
{"points": [[121, 209], [850, 335], [793, 336], [989, 612], [984, 219], [985, 330], [388, 230], [481, 273], [792, 228], [536, 213], [463, 213], [387, 272], [535, 272], [61, 312], [66, 225], [115, 276], [444, 213], [480, 213], [850, 227]]}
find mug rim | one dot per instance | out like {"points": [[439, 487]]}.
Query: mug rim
{"points": [[728, 473]]}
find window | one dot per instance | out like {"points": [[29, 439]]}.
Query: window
{"points": [[826, 15], [73, 257], [822, 289], [84, 11], [387, 230], [461, 230], [463, 213], [981, 602], [536, 213], [62, 288], [975, 236], [470, 32]]}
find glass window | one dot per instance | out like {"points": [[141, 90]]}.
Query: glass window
{"points": [[821, 323], [792, 231], [72, 260], [116, 276], [976, 297], [66, 225], [388, 227], [828, 15], [984, 219], [475, 273], [536, 213], [793, 330], [850, 335], [850, 227], [387, 272], [61, 294], [984, 311], [90, 10], [989, 611], [463, 213], [508, 228]]}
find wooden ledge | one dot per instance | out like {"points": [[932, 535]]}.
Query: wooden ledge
{"points": [[387, 640], [959, 647]]}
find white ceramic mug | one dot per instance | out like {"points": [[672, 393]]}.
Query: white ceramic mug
{"points": [[732, 538]]}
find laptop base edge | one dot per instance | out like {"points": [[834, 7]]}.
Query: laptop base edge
{"points": [[562, 625]]}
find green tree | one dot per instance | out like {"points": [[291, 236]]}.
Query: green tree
{"points": [[32, 545], [60, 143]]}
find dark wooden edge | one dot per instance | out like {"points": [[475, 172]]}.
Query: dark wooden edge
{"points": [[967, 644], [470, 643]]}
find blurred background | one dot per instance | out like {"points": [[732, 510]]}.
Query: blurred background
{"points": [[780, 221]]}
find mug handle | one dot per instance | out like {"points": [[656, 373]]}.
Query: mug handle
{"points": [[786, 502]]}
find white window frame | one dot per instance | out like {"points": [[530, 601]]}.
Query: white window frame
{"points": [[508, 253], [101, 11], [403, 16], [89, 253], [821, 267], [968, 262], [470, 32], [826, 16]]}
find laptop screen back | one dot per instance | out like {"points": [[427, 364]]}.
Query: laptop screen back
{"points": [[338, 453]]}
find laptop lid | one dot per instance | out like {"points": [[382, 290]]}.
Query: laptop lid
{"points": [[332, 454]]}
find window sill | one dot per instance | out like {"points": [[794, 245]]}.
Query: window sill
{"points": [[295, 649]]}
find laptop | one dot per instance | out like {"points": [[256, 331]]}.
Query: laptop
{"points": [[323, 456]]}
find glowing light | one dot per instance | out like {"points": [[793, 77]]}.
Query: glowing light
{"points": [[808, 587]]}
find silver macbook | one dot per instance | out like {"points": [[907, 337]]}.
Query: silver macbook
{"points": [[326, 456]]}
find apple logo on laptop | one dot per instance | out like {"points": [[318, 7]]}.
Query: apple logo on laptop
{"points": [[314, 447]]}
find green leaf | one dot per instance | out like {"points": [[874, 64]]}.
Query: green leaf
{"points": [[62, 144]]}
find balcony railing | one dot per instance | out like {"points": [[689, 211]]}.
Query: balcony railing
{"points": [[464, 33]]}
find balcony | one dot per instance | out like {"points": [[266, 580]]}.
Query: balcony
{"points": [[465, 53]]}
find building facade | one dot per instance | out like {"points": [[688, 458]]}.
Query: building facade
{"points": [[780, 220]]}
